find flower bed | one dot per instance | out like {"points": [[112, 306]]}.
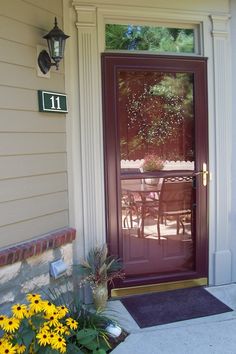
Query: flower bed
{"points": [[40, 326]]}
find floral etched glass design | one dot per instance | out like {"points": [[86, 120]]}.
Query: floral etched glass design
{"points": [[156, 116]]}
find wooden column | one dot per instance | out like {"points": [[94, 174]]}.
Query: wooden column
{"points": [[91, 140], [222, 95]]}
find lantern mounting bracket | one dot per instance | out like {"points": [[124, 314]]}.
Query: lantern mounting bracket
{"points": [[44, 62]]}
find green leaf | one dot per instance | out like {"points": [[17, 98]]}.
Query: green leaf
{"points": [[99, 351], [73, 349], [37, 321], [92, 345], [28, 337], [86, 333]]}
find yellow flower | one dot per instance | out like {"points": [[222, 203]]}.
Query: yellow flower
{"points": [[45, 328], [48, 307], [60, 329], [71, 323], [43, 338], [20, 348], [2, 320], [7, 348], [31, 297], [67, 332], [58, 343], [62, 311], [36, 305], [52, 320], [2, 343], [29, 313], [31, 349], [19, 311], [11, 324], [7, 337], [52, 335]]}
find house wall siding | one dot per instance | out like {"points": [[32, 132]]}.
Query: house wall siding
{"points": [[33, 167]]}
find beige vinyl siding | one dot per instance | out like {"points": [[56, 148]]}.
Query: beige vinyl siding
{"points": [[23, 121], [22, 77], [25, 229], [33, 171], [28, 187], [31, 165]]}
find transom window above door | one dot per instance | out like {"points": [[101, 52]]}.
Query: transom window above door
{"points": [[151, 39]]}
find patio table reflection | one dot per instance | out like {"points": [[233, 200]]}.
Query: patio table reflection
{"points": [[140, 199]]}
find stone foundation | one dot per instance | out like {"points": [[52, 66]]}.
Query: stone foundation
{"points": [[25, 268]]}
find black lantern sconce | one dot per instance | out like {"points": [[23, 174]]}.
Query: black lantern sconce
{"points": [[56, 39]]}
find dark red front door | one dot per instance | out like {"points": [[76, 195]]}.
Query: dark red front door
{"points": [[155, 131]]}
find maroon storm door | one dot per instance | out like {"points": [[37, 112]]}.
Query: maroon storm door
{"points": [[156, 152]]}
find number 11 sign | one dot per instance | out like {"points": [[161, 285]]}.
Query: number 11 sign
{"points": [[52, 102]]}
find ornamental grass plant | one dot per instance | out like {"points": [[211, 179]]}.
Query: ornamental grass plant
{"points": [[100, 268]]}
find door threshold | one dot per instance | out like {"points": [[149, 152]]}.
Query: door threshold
{"points": [[143, 289]]}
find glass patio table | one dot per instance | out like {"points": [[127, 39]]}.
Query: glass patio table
{"points": [[142, 197]]}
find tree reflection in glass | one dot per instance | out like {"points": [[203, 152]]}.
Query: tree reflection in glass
{"points": [[156, 115]]}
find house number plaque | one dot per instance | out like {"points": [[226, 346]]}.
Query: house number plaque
{"points": [[52, 102]]}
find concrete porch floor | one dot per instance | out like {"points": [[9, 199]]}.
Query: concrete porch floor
{"points": [[205, 335]]}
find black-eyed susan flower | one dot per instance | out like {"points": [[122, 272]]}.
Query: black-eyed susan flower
{"points": [[62, 311], [52, 320], [20, 348], [71, 323], [36, 305], [59, 343], [28, 313], [52, 335], [31, 349], [2, 319], [19, 310], [48, 307], [67, 331], [45, 328], [60, 329], [8, 348], [2, 343], [11, 324], [8, 337], [31, 297], [43, 338]]}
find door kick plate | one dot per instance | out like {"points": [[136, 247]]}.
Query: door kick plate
{"points": [[143, 289]]}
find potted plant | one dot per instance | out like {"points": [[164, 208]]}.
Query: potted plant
{"points": [[151, 163], [98, 270]]}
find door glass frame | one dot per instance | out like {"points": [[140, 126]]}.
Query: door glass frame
{"points": [[194, 65]]}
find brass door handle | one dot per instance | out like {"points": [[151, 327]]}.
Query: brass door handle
{"points": [[204, 174]]}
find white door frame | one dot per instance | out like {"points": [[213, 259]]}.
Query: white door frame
{"points": [[84, 125]]}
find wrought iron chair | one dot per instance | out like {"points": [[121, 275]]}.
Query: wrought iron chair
{"points": [[175, 201]]}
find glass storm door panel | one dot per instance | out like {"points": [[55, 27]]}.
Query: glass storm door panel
{"points": [[156, 144]]}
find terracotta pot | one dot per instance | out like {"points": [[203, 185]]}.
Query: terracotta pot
{"points": [[100, 296]]}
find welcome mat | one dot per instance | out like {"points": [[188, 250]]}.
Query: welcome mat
{"points": [[171, 306]]}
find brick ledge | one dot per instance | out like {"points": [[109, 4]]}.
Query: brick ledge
{"points": [[35, 247]]}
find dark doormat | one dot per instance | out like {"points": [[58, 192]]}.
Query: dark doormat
{"points": [[171, 306]]}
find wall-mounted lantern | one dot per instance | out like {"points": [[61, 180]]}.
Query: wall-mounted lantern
{"points": [[56, 39]]}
